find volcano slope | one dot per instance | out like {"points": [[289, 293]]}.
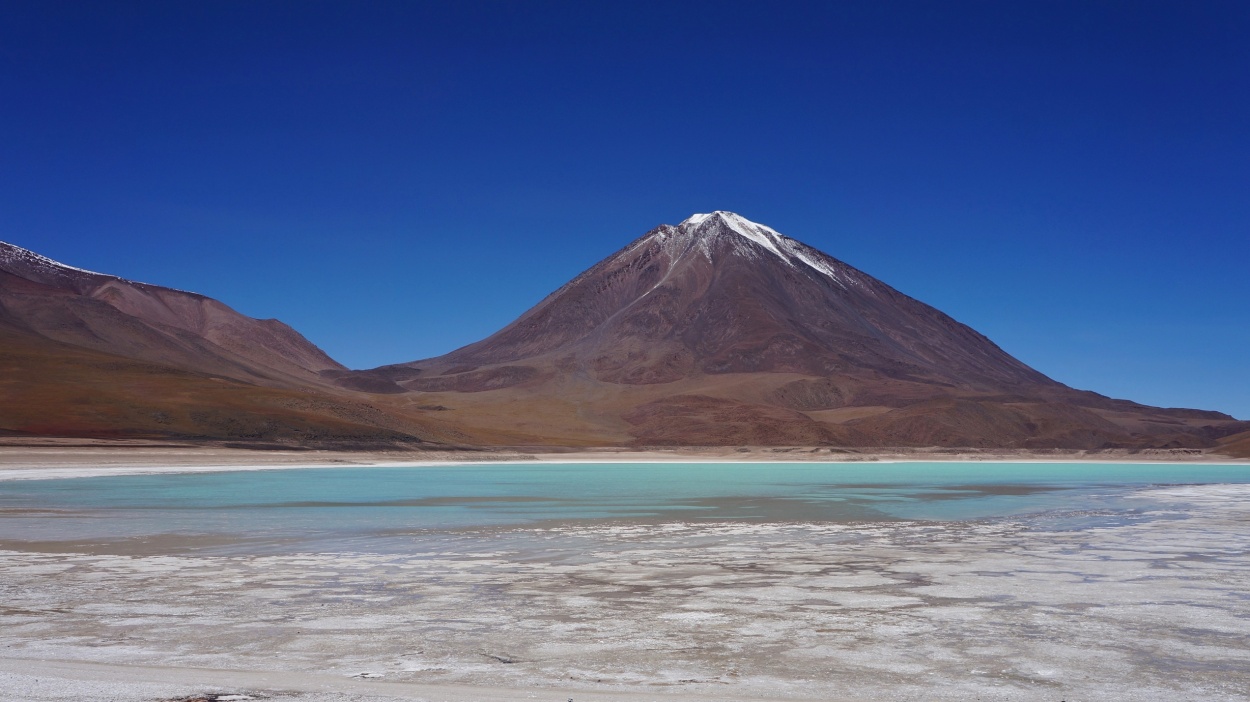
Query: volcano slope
{"points": [[720, 331], [87, 354]]}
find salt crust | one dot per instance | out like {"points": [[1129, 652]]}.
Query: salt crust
{"points": [[1002, 609]]}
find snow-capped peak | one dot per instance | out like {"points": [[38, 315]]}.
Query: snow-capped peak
{"points": [[730, 219], [770, 239], [760, 234]]}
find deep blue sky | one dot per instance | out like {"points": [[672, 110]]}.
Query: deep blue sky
{"points": [[397, 180]]}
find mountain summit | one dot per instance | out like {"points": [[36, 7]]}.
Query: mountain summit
{"points": [[722, 330], [721, 294]]}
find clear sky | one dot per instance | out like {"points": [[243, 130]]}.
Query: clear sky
{"points": [[396, 180]]}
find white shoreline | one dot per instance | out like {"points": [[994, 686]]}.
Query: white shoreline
{"points": [[76, 469]]}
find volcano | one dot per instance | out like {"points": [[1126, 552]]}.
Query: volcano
{"points": [[718, 295], [723, 331]]}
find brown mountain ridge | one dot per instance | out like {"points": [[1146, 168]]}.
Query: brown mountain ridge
{"points": [[89, 354], [714, 332]]}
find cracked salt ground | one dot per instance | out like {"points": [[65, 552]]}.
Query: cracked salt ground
{"points": [[1155, 609]]}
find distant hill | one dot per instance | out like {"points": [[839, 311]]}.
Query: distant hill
{"points": [[1237, 445], [160, 325], [89, 354]]}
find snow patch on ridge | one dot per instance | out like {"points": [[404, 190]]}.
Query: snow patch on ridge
{"points": [[14, 256], [12, 253], [796, 250]]}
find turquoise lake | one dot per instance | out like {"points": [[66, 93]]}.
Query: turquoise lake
{"points": [[382, 508]]}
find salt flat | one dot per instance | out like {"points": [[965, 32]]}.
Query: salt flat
{"points": [[1022, 608]]}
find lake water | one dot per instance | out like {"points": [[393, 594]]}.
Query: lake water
{"points": [[383, 509]]}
